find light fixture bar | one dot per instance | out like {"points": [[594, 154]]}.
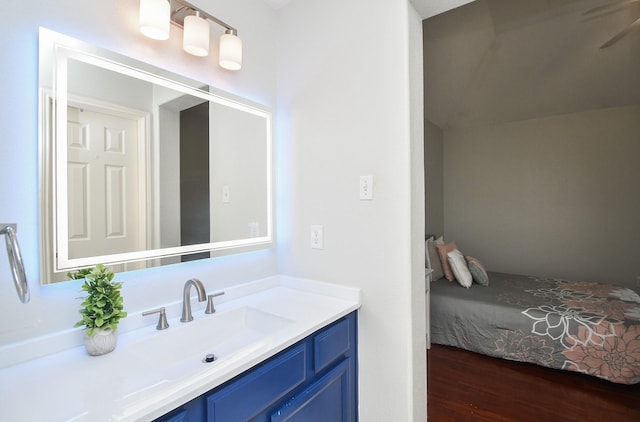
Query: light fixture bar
{"points": [[203, 14]]}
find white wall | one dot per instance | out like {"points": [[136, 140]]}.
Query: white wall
{"points": [[113, 25], [343, 102], [237, 137], [418, 306], [344, 110]]}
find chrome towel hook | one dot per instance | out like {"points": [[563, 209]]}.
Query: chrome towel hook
{"points": [[15, 261]]}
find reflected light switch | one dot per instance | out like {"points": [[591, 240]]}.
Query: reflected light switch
{"points": [[366, 187], [254, 229], [225, 194]]}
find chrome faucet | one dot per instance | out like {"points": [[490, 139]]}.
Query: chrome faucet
{"points": [[186, 298]]}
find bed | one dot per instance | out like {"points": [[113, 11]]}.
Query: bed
{"points": [[592, 328]]}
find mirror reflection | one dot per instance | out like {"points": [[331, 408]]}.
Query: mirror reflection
{"points": [[143, 168]]}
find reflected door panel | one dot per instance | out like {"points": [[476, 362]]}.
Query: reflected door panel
{"points": [[102, 184]]}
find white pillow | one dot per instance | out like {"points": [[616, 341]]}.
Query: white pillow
{"points": [[459, 268]]}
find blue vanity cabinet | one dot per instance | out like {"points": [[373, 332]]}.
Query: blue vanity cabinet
{"points": [[312, 381]]}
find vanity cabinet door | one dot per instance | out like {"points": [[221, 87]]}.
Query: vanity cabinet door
{"points": [[262, 388], [329, 399], [332, 344], [331, 395]]}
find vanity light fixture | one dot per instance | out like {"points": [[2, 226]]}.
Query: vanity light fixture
{"points": [[230, 50], [155, 18], [157, 15], [195, 38]]}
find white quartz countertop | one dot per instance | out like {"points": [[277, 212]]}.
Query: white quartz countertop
{"points": [[125, 386]]}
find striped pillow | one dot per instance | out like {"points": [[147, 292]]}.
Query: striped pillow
{"points": [[477, 271]]}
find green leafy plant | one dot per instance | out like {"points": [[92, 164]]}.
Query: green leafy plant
{"points": [[103, 306]]}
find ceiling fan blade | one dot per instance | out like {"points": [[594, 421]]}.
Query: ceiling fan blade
{"points": [[609, 6], [621, 34]]}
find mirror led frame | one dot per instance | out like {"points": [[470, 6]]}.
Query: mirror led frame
{"points": [[55, 52]]}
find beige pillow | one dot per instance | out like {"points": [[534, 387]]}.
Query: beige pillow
{"points": [[434, 258], [443, 250]]}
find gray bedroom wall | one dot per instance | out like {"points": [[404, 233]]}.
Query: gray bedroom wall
{"points": [[434, 178], [540, 134], [556, 196]]}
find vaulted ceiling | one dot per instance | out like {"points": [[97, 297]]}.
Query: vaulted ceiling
{"points": [[425, 8], [507, 60]]}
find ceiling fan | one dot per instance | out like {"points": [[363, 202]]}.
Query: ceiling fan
{"points": [[610, 8]]}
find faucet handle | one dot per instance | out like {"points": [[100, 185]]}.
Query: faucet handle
{"points": [[162, 318], [210, 308]]}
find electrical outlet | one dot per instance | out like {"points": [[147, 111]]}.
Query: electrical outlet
{"points": [[316, 237]]}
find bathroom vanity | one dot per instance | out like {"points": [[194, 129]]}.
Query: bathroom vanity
{"points": [[285, 350], [313, 380]]}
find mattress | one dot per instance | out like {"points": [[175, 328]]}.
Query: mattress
{"points": [[592, 328]]}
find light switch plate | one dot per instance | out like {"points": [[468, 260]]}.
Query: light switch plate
{"points": [[366, 187]]}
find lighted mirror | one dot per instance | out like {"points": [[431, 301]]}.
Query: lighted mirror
{"points": [[140, 167]]}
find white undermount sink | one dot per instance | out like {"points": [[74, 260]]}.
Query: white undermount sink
{"points": [[229, 334]]}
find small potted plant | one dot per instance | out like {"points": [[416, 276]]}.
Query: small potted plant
{"points": [[101, 310]]}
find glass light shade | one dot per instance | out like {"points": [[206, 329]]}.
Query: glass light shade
{"points": [[230, 51], [155, 18], [195, 39]]}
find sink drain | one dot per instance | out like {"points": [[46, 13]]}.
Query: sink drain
{"points": [[209, 358]]}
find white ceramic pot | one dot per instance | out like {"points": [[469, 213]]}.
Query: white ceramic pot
{"points": [[101, 342]]}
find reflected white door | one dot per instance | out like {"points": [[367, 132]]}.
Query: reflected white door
{"points": [[104, 195]]}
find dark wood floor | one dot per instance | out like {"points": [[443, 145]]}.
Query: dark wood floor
{"points": [[465, 386]]}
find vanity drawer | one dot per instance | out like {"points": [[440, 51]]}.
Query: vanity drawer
{"points": [[331, 344], [261, 388]]}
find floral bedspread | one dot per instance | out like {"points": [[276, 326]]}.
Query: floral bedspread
{"points": [[592, 328]]}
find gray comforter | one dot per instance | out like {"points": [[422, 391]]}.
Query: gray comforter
{"points": [[585, 327]]}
